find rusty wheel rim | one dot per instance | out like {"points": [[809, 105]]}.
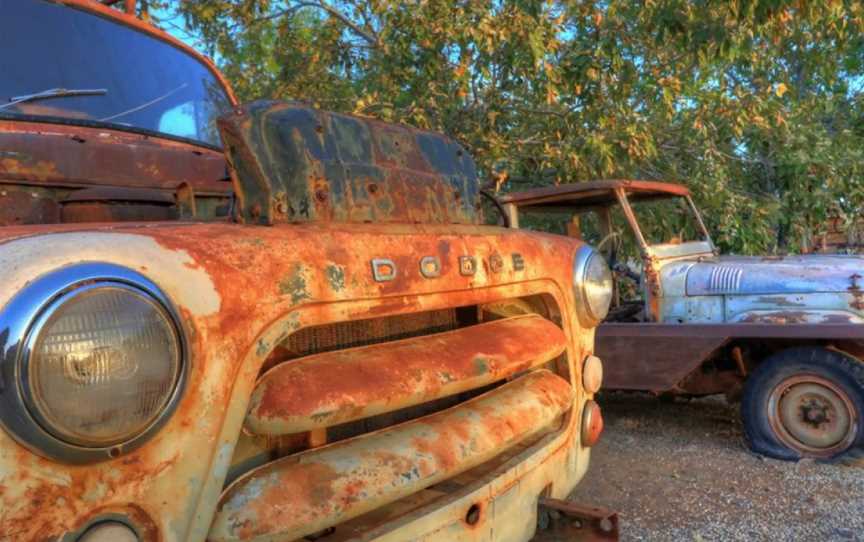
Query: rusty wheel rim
{"points": [[813, 416]]}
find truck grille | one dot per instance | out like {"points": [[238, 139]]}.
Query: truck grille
{"points": [[426, 397]]}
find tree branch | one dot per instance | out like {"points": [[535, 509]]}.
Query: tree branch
{"points": [[333, 12], [373, 40]]}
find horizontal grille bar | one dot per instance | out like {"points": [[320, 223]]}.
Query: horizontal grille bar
{"points": [[327, 389], [308, 492]]}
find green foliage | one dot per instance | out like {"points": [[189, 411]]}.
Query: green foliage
{"points": [[755, 104]]}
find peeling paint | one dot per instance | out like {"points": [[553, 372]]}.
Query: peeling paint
{"points": [[227, 288], [294, 285], [298, 496], [335, 277]]}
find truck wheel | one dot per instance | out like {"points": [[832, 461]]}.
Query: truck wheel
{"points": [[805, 402]]}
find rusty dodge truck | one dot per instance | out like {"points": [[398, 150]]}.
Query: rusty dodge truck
{"points": [[783, 333], [260, 322]]}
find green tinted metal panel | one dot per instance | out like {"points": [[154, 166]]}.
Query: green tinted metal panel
{"points": [[292, 163]]}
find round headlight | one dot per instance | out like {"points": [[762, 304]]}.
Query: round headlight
{"points": [[592, 284], [103, 363], [94, 360]]}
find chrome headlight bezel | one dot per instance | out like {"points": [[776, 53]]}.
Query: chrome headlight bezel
{"points": [[20, 320], [584, 311]]}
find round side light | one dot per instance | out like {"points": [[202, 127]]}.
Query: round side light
{"points": [[592, 374], [592, 424]]}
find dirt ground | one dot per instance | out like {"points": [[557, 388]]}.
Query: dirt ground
{"points": [[681, 471]]}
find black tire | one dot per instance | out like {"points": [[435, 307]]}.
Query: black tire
{"points": [[844, 372]]}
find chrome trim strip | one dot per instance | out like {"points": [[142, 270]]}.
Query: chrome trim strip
{"points": [[18, 319]]}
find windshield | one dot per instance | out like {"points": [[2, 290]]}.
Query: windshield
{"points": [[667, 221], [148, 84]]}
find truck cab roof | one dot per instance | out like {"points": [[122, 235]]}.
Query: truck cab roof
{"points": [[599, 193]]}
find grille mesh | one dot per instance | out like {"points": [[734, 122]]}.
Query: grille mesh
{"points": [[314, 340]]}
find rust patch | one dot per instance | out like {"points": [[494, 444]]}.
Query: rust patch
{"points": [[857, 295], [291, 163], [780, 301], [50, 164], [777, 317], [304, 494], [246, 266], [327, 389]]}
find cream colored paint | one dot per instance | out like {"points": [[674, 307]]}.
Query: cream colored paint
{"points": [[185, 283]]}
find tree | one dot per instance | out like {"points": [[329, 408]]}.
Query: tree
{"points": [[755, 104]]}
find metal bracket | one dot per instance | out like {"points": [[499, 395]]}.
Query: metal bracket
{"points": [[560, 520]]}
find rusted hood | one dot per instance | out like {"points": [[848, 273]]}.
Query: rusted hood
{"points": [[772, 275], [292, 163], [241, 290]]}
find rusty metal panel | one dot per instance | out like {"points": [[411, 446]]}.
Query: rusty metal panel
{"points": [[657, 357], [576, 196], [27, 204], [80, 156], [306, 493], [242, 291], [292, 163], [327, 389], [733, 330], [110, 204], [43, 168], [651, 362]]}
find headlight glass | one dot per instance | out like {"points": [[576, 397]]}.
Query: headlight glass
{"points": [[103, 363], [593, 286], [598, 286]]}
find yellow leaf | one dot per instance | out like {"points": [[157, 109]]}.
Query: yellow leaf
{"points": [[780, 90]]}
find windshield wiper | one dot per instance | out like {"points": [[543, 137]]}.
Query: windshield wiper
{"points": [[55, 93]]}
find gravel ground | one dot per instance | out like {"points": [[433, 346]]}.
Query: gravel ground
{"points": [[681, 471]]}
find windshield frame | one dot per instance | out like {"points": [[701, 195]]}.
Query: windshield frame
{"points": [[666, 250], [115, 16]]}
